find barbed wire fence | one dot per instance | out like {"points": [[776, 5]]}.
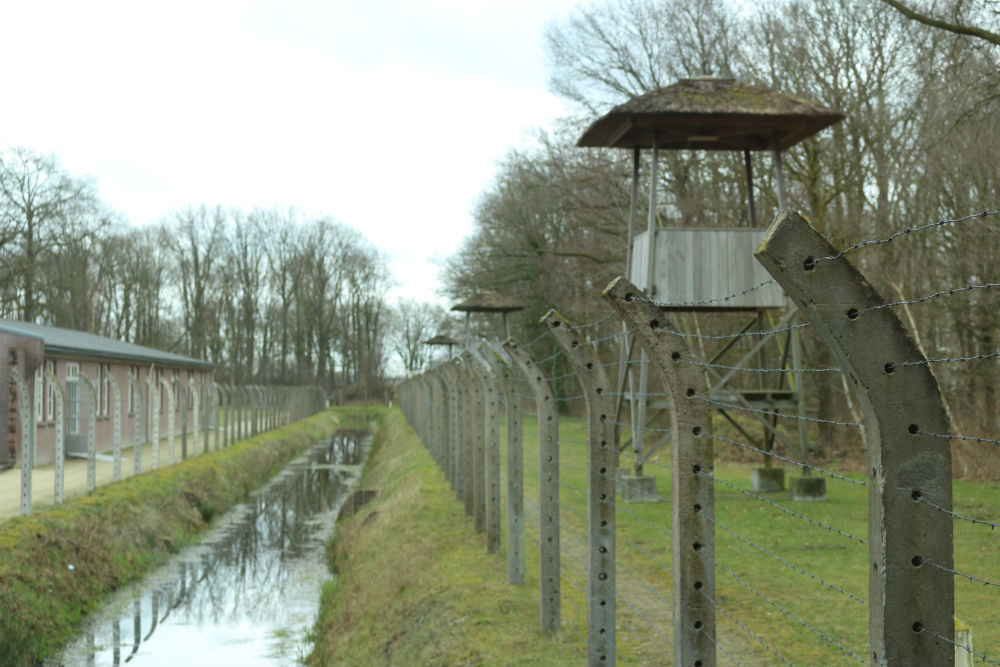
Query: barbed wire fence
{"points": [[208, 414], [700, 567]]}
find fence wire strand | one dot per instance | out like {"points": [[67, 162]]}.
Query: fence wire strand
{"points": [[902, 232]]}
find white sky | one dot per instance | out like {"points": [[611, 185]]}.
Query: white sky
{"points": [[388, 115]]}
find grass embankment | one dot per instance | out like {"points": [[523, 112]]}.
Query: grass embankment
{"points": [[60, 562], [415, 585]]}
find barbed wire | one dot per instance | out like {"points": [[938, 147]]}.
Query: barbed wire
{"points": [[974, 357], [804, 466], [901, 232], [745, 627], [955, 515], [778, 558], [591, 325], [986, 582], [952, 436], [537, 338], [549, 358], [787, 415], [981, 656], [768, 332], [597, 341], [784, 509], [717, 645], [722, 299], [787, 612], [648, 429], [746, 369], [911, 302]]}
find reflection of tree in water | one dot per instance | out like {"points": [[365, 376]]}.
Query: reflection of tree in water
{"points": [[248, 566]]}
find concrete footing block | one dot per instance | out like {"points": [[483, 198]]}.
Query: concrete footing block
{"points": [[807, 488], [765, 480], [638, 489]]}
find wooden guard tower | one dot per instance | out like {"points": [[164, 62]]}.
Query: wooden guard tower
{"points": [[486, 302], [701, 269]]}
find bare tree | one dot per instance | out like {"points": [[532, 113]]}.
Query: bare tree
{"points": [[413, 322], [42, 207]]}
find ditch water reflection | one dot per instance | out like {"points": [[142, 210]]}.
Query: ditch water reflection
{"points": [[248, 592]]}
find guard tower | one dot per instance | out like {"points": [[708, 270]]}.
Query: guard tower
{"points": [[442, 339], [486, 302], [700, 269]]}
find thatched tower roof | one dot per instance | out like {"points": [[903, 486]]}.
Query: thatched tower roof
{"points": [[441, 339], [712, 114], [488, 302]]}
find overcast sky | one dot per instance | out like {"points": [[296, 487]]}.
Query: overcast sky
{"points": [[388, 115]]}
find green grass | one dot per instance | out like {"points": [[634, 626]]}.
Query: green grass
{"points": [[61, 561], [415, 586], [644, 547]]}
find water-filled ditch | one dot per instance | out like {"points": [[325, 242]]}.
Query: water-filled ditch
{"points": [[248, 592]]}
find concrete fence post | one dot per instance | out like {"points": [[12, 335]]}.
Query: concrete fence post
{"points": [[195, 389], [137, 422], [91, 434], [184, 420], [602, 466], [548, 485], [446, 434], [60, 449], [471, 426], [440, 393], [153, 392], [491, 444], [693, 493], [477, 439], [117, 427], [515, 471], [457, 430], [488, 453], [911, 603], [171, 445], [27, 444]]}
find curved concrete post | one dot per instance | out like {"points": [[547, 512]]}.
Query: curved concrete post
{"points": [[137, 407], [901, 403], [501, 364], [491, 454], [227, 391], [253, 392], [602, 466], [27, 441], [171, 445], [466, 444], [481, 417], [60, 453], [458, 400], [493, 374], [692, 489], [117, 427], [548, 484], [153, 392], [91, 434], [196, 415], [215, 406], [449, 428]]}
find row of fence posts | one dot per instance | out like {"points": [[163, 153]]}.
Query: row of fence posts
{"points": [[231, 413], [455, 409]]}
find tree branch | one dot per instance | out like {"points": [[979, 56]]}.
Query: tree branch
{"points": [[956, 28]]}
